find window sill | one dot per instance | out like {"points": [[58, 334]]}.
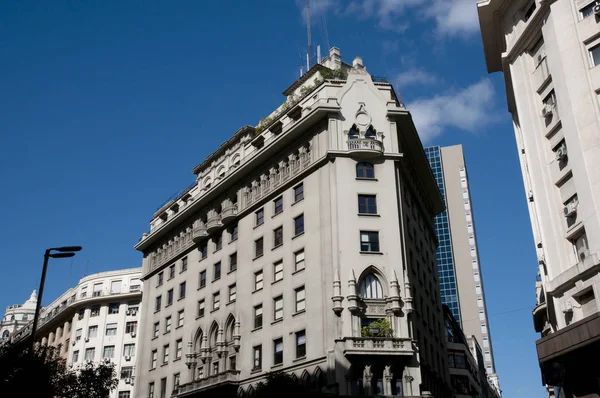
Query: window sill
{"points": [[257, 257], [276, 214], [156, 311], [164, 364], [168, 305], [280, 320], [151, 369], [277, 365], [203, 258], [299, 312], [257, 290], [216, 279], [258, 225], [298, 271], [215, 310], [378, 253], [201, 287], [177, 359], [277, 247], [255, 371], [231, 302], [255, 329], [298, 201], [277, 281], [369, 215], [179, 327], [165, 333], [154, 338], [180, 298], [366, 179], [302, 358], [217, 250], [232, 271], [297, 235], [199, 317], [232, 240]]}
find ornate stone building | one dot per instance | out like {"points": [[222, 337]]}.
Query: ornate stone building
{"points": [[306, 245]]}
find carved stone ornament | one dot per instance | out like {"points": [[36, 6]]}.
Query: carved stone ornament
{"points": [[362, 118]]}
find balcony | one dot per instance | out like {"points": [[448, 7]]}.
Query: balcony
{"points": [[377, 346], [227, 378], [539, 317], [229, 214], [213, 224], [365, 147], [199, 234]]}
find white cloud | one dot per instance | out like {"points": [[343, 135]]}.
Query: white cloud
{"points": [[467, 109], [455, 17], [414, 76]]}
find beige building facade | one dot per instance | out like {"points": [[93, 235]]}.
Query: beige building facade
{"points": [[94, 321], [16, 317], [307, 246], [549, 52]]}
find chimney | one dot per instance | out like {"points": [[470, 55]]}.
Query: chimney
{"points": [[357, 63], [335, 58]]}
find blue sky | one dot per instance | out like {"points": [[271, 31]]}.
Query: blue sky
{"points": [[107, 106]]}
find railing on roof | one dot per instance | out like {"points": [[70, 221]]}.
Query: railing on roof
{"points": [[379, 79], [175, 197]]}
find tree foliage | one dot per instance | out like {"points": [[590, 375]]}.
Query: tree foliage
{"points": [[45, 375]]}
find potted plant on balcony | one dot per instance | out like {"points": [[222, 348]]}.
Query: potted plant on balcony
{"points": [[379, 328]]}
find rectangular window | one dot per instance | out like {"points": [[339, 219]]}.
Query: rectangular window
{"points": [[257, 357], [259, 217], [171, 271], [232, 364], [156, 329], [92, 331], [176, 379], [278, 205], [258, 280], [83, 292], [299, 224], [595, 55], [126, 372], [278, 236], [588, 10], [278, 308], [109, 352], [178, 349], [160, 278], [124, 394], [129, 350], [111, 329], [258, 316], [367, 204], [95, 312], [169, 297], [153, 359], [131, 327], [200, 308], [115, 287], [299, 260], [184, 262], [97, 290], [167, 324], [277, 351], [90, 353], [75, 356], [233, 232], [232, 262], [216, 301], [180, 318], [300, 344], [298, 193], [182, 290], [218, 240], [78, 335], [166, 353], [258, 247], [232, 293], [151, 390], [163, 388], [113, 308], [158, 303], [202, 281], [369, 241], [203, 251], [217, 271], [300, 299], [278, 271]]}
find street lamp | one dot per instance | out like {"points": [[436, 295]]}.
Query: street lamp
{"points": [[63, 252]]}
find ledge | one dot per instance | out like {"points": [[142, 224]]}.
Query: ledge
{"points": [[375, 253], [298, 271], [299, 313], [275, 322], [297, 235]]}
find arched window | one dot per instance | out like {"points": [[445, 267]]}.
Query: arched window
{"points": [[5, 334], [365, 170], [370, 288], [353, 133], [207, 183], [370, 133]]}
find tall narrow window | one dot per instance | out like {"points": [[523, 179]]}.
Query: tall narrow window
{"points": [[167, 324], [367, 204], [298, 193], [182, 290], [233, 232], [184, 263], [166, 353], [365, 170], [258, 280], [218, 240], [202, 281], [257, 357], [278, 308], [370, 287], [300, 299], [300, 344], [178, 349], [278, 237], [232, 262], [278, 205], [201, 308], [169, 297], [171, 271], [277, 351], [156, 330], [216, 301], [259, 216], [232, 293], [217, 271], [163, 388], [278, 271], [299, 260], [203, 251], [258, 247], [299, 224], [180, 318], [258, 316], [151, 390]]}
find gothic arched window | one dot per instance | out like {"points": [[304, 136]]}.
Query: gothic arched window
{"points": [[353, 133], [370, 133], [370, 287]]}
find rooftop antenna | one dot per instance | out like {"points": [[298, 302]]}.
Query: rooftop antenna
{"points": [[308, 55]]}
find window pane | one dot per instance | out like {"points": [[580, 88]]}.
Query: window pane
{"points": [[595, 52]]}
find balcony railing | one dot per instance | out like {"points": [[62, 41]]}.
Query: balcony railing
{"points": [[213, 224], [227, 377], [366, 147], [378, 346], [229, 214]]}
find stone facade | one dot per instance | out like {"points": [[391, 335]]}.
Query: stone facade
{"points": [[17, 316]]}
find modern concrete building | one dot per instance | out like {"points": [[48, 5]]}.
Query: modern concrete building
{"points": [[306, 245], [94, 321], [549, 52], [461, 280], [17, 316]]}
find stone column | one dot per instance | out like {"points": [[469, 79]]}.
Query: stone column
{"points": [[387, 380], [367, 378]]}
